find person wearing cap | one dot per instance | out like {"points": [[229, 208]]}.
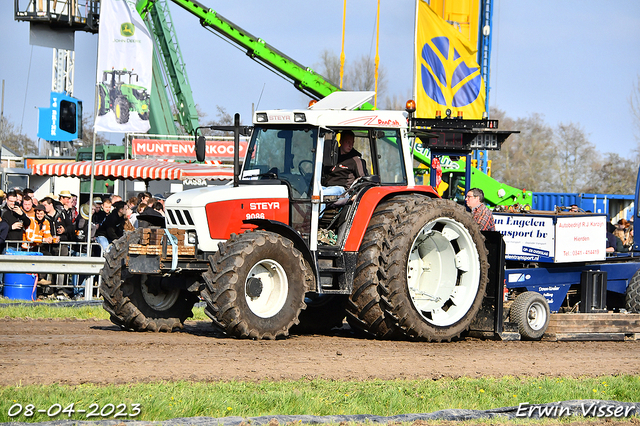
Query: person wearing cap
{"points": [[160, 198], [64, 226], [104, 208], [113, 226], [39, 231]]}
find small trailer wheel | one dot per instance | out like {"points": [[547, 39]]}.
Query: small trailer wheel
{"points": [[531, 312]]}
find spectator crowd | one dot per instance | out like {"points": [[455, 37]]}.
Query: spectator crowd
{"points": [[56, 225]]}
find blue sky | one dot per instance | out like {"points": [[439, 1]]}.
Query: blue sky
{"points": [[572, 61]]}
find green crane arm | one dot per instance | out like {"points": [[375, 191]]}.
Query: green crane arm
{"points": [[303, 78]]}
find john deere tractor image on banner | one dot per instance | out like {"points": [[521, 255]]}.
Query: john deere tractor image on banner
{"points": [[120, 96]]}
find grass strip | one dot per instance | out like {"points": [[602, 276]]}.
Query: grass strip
{"points": [[22, 309], [167, 400]]}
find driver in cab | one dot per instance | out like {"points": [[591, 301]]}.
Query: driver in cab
{"points": [[350, 166]]}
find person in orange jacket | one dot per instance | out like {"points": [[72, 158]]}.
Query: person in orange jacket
{"points": [[39, 231]]}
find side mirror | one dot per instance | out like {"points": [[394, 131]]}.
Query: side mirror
{"points": [[201, 148]]}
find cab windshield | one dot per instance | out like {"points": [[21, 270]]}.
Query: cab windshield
{"points": [[284, 154]]}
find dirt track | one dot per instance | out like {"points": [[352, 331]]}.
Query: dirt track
{"points": [[74, 352]]}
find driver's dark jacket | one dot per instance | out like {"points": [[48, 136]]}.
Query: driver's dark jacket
{"points": [[350, 166]]}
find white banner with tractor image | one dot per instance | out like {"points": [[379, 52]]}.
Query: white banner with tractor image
{"points": [[125, 50]]}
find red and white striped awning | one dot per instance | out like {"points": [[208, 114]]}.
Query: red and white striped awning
{"points": [[136, 169]]}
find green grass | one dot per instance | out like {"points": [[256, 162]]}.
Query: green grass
{"points": [[22, 309], [163, 400]]}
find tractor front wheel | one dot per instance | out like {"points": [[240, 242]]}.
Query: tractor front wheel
{"points": [[256, 285], [121, 110], [138, 302]]}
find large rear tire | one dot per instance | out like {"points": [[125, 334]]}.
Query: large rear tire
{"points": [[256, 286], [364, 310], [134, 301], [102, 94], [437, 268], [632, 297], [531, 312]]}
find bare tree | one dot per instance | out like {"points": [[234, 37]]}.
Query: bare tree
{"points": [[223, 118], [576, 160], [16, 141], [329, 67], [358, 75], [526, 158], [616, 176], [397, 102]]}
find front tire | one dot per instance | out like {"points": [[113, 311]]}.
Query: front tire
{"points": [[531, 312], [256, 285], [121, 110], [134, 301], [437, 268]]}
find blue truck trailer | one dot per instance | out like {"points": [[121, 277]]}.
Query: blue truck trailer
{"points": [[556, 261], [615, 206]]}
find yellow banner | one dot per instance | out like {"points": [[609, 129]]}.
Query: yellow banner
{"points": [[448, 76], [462, 14]]}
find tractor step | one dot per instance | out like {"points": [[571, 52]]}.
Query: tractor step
{"points": [[335, 268]]}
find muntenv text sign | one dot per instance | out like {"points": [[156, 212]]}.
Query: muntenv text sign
{"points": [[555, 239]]}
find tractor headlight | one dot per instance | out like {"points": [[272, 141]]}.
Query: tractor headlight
{"points": [[261, 117], [192, 237]]}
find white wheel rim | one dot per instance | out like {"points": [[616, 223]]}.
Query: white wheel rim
{"points": [[443, 272], [274, 291], [536, 316], [161, 301]]}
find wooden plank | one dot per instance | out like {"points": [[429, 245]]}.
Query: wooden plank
{"points": [[606, 323], [156, 250], [592, 328], [590, 336]]}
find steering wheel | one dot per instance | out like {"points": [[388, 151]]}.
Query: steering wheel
{"points": [[306, 175]]}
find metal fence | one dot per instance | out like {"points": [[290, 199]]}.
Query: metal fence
{"points": [[70, 260]]}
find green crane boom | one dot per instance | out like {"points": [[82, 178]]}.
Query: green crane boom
{"points": [[303, 78]]}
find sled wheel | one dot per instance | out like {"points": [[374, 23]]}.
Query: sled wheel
{"points": [[531, 312]]}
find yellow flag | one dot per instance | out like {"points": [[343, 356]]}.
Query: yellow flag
{"points": [[448, 76]]}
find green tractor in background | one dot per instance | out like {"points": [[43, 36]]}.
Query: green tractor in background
{"points": [[122, 97]]}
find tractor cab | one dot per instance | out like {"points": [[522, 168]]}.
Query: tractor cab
{"points": [[297, 148]]}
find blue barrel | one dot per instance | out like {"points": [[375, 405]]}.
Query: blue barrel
{"points": [[19, 286]]}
